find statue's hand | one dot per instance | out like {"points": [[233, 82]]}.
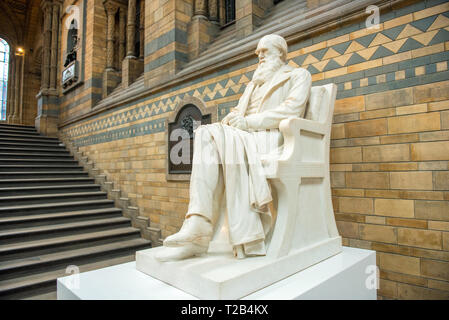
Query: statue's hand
{"points": [[239, 122], [231, 115]]}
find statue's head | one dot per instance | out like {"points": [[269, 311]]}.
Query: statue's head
{"points": [[270, 47], [272, 52]]}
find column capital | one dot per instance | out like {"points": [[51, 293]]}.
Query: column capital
{"points": [[48, 3], [201, 8], [111, 6], [123, 11]]}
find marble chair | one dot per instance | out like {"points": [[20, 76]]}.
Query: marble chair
{"points": [[304, 217]]}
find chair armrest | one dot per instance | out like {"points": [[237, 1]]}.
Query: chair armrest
{"points": [[291, 157], [291, 129], [292, 125]]}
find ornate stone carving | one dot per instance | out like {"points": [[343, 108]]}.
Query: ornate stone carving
{"points": [[201, 8], [55, 26], [187, 120], [122, 34], [47, 10], [111, 10], [213, 10], [188, 114], [142, 30]]}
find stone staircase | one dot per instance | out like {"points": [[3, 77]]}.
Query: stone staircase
{"points": [[52, 215]]}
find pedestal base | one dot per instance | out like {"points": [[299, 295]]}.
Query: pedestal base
{"points": [[223, 277], [350, 275]]}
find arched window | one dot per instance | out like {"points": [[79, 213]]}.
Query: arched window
{"points": [[4, 67]]}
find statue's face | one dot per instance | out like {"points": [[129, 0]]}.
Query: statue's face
{"points": [[266, 51]]}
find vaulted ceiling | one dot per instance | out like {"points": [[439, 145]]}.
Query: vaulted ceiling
{"points": [[20, 21]]}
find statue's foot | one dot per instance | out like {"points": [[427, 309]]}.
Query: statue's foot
{"points": [[195, 230], [180, 253]]}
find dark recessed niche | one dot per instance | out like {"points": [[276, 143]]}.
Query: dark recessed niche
{"points": [[180, 138]]}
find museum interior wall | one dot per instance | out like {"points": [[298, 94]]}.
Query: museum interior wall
{"points": [[112, 76]]}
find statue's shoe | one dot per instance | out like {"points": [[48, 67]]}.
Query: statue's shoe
{"points": [[195, 230], [180, 253]]}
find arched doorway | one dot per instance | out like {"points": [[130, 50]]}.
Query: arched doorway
{"points": [[4, 67]]}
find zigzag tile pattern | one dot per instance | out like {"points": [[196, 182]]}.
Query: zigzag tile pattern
{"points": [[323, 63], [415, 35]]}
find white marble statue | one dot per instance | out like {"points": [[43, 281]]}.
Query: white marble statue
{"points": [[227, 166]]}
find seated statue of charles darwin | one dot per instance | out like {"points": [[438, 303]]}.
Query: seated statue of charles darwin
{"points": [[227, 158]]}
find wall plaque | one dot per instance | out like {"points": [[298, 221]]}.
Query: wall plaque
{"points": [[188, 115]]}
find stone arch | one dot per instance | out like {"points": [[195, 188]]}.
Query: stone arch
{"points": [[197, 110]]}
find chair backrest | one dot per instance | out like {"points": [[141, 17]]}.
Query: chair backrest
{"points": [[319, 104]]}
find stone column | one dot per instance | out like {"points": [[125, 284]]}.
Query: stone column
{"points": [[10, 101], [18, 65], [200, 8], [213, 10], [122, 35], [201, 31], [131, 32], [46, 59], [54, 45], [46, 121], [132, 67], [111, 10], [142, 29]]}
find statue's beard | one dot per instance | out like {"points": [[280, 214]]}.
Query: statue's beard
{"points": [[266, 70]]}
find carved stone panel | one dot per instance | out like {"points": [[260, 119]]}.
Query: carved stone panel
{"points": [[189, 114]]}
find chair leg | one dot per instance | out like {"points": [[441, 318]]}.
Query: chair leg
{"points": [[288, 194]]}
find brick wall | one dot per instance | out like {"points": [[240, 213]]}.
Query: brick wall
{"points": [[389, 149]]}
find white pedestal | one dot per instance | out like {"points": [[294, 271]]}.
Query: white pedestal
{"points": [[223, 277], [347, 275]]}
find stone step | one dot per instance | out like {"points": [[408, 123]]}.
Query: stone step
{"points": [[7, 223], [11, 144], [44, 284], [25, 248], [42, 174], [35, 156], [55, 207], [40, 190], [39, 167], [58, 230], [7, 161], [28, 150], [24, 137], [68, 257], [50, 198], [52, 214], [17, 126], [19, 131], [5, 183]]}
